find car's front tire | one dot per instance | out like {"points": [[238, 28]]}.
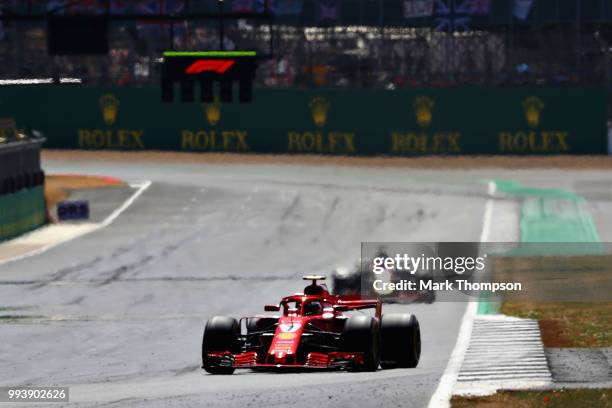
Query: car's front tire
{"points": [[220, 334], [362, 334]]}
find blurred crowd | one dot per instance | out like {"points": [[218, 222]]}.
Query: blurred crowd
{"points": [[386, 58]]}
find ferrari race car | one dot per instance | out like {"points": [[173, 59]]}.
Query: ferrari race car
{"points": [[315, 330]]}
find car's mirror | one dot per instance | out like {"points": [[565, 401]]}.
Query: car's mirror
{"points": [[271, 308]]}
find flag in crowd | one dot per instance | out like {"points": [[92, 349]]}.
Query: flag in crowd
{"points": [[83, 6], [260, 5], [445, 20], [56, 5], [161, 6], [327, 11], [242, 6], [467, 7], [460, 16], [119, 6], [280, 7], [418, 8], [522, 8], [479, 7], [156, 28]]}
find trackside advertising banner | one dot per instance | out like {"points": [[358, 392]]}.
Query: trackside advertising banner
{"points": [[21, 212], [457, 121]]}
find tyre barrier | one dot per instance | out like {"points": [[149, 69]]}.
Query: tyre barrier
{"points": [[30, 180], [9, 186], [22, 181], [73, 210]]}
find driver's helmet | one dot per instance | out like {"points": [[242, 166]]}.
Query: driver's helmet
{"points": [[313, 308]]}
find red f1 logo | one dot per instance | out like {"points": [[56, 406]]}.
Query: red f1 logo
{"points": [[219, 66]]}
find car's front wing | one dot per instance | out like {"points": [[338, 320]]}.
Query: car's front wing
{"points": [[314, 360]]}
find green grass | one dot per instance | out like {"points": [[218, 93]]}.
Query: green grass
{"points": [[569, 296], [565, 324], [583, 398]]}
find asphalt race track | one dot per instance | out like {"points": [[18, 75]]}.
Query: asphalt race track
{"points": [[118, 314]]}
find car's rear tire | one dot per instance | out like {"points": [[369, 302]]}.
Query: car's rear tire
{"points": [[220, 334], [401, 341], [362, 334]]}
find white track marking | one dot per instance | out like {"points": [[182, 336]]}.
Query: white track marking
{"points": [[141, 189], [441, 397], [488, 214], [71, 232]]}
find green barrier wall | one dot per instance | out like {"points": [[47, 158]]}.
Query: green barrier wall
{"points": [[356, 122], [21, 212]]}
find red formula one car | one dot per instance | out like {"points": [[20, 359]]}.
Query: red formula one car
{"points": [[313, 332]]}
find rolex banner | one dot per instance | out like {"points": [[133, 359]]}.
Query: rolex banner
{"points": [[522, 121]]}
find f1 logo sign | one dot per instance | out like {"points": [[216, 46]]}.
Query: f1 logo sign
{"points": [[219, 66]]}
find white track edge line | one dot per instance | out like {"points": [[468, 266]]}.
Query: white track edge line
{"points": [[444, 392], [141, 189], [441, 397]]}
